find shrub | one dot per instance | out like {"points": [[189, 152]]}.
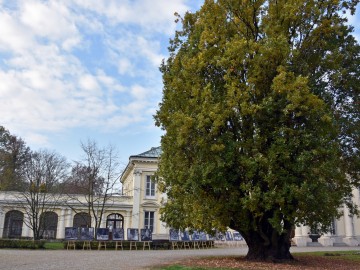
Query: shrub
{"points": [[26, 244]]}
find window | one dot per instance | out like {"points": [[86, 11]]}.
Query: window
{"points": [[114, 221], [48, 225], [150, 187], [13, 224], [149, 220]]}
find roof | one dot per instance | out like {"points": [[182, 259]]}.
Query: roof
{"points": [[151, 155], [154, 152]]}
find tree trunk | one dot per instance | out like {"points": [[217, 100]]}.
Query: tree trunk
{"points": [[271, 246]]}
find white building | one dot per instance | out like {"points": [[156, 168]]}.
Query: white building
{"points": [[138, 207]]}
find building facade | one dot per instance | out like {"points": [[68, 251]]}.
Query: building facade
{"points": [[138, 207]]}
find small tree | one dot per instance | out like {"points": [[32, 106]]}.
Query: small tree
{"points": [[43, 173], [260, 111], [93, 178]]}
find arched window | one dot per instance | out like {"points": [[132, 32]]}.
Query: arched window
{"points": [[82, 220], [114, 221], [48, 225], [13, 224]]}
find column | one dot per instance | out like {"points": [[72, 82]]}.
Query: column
{"points": [[299, 239], [103, 221], [2, 221], [326, 240], [68, 218], [349, 229], [93, 221], [305, 233], [26, 230], [60, 234], [136, 199], [128, 220]]}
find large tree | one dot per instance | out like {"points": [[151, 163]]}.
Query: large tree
{"points": [[13, 155], [261, 116]]}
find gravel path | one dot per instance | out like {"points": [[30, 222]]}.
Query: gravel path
{"points": [[11, 259]]}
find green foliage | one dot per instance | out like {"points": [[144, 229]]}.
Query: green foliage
{"points": [[53, 245], [261, 118], [25, 244], [350, 255], [13, 155]]}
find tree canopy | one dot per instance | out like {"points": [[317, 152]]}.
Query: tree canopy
{"points": [[13, 155], [261, 116]]}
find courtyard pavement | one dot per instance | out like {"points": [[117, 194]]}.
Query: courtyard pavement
{"points": [[11, 259]]}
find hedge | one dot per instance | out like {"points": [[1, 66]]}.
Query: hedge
{"points": [[26, 244]]}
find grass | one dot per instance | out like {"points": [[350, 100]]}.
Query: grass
{"points": [[351, 255], [54, 245]]}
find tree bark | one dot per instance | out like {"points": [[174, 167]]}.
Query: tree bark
{"points": [[269, 245]]}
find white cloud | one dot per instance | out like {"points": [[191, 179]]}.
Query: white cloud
{"points": [[14, 37], [148, 14], [125, 66], [38, 139], [109, 82], [51, 20], [79, 63], [89, 83]]}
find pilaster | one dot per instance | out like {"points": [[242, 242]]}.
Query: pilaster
{"points": [[2, 221], [60, 234], [349, 229], [299, 239], [136, 199], [326, 240], [68, 218]]}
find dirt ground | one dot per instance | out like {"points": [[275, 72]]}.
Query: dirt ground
{"points": [[300, 263]]}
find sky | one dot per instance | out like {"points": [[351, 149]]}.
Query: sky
{"points": [[74, 70]]}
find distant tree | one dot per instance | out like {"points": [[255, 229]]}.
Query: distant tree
{"points": [[44, 170], [261, 116], [78, 181], [13, 155], [93, 179]]}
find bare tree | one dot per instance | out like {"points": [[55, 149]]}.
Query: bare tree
{"points": [[93, 179], [44, 171]]}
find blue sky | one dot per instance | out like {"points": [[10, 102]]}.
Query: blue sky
{"points": [[74, 70]]}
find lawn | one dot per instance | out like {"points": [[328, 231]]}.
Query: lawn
{"points": [[54, 245], [338, 260]]}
